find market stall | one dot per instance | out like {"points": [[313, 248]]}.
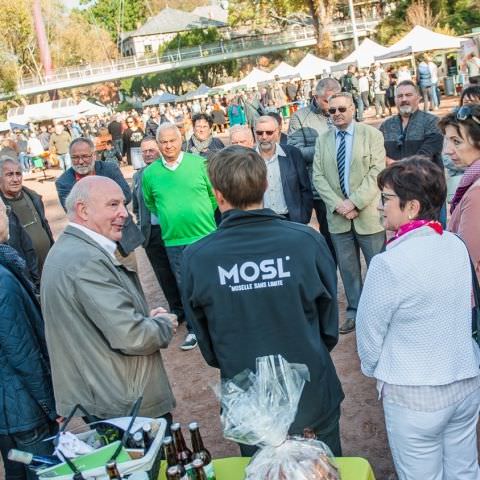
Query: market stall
{"points": [[364, 55], [311, 66]]}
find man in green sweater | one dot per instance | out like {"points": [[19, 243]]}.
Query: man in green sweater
{"points": [[176, 189]]}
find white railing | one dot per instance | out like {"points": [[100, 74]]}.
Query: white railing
{"points": [[176, 57]]}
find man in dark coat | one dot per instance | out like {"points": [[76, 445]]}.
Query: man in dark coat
{"points": [[289, 191], [27, 206], [261, 285], [82, 153], [27, 405]]}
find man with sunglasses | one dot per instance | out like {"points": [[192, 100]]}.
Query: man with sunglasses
{"points": [[347, 160], [305, 126], [288, 191], [412, 131]]}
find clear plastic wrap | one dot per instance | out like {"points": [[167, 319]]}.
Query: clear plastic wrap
{"points": [[258, 409]]}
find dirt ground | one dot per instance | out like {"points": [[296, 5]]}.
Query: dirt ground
{"points": [[362, 423]]}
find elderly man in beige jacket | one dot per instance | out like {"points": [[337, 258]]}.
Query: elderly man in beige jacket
{"points": [[104, 342], [348, 159]]}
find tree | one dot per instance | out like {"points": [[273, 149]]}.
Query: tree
{"points": [[448, 16], [322, 12], [261, 15], [209, 74], [115, 16]]}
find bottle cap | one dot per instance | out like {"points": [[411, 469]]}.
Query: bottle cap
{"points": [[175, 426], [173, 470], [193, 425], [197, 463], [167, 440], [19, 456], [137, 436], [147, 427]]}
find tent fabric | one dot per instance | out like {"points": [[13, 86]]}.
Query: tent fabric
{"points": [[311, 66], [397, 54], [283, 69], [163, 98], [201, 91], [421, 39], [254, 77], [364, 55]]}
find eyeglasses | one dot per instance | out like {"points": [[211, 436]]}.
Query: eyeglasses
{"points": [[259, 133], [385, 197], [332, 111], [83, 158], [466, 112]]}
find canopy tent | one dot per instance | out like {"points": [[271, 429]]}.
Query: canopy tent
{"points": [[421, 39], [254, 77], [311, 66], [283, 69], [87, 108], [165, 97], [201, 91], [364, 55], [395, 56]]}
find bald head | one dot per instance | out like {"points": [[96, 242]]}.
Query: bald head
{"points": [[98, 203], [242, 135]]}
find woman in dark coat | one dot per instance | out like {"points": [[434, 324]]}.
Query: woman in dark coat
{"points": [[27, 405]]}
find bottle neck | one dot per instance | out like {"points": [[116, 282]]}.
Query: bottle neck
{"points": [[170, 455], [197, 442], [179, 441]]}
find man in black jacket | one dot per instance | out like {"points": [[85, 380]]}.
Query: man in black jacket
{"points": [[261, 285], [289, 192]]}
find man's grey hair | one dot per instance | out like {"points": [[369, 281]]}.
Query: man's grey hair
{"points": [[7, 159], [327, 85], [347, 95], [148, 139], [241, 128], [81, 140], [163, 127], [265, 119]]}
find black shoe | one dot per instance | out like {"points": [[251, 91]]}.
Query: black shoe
{"points": [[347, 326]]}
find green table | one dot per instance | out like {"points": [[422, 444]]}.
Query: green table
{"points": [[233, 468]]}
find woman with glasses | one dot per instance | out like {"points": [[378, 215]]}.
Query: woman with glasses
{"points": [[462, 144], [132, 138], [27, 405], [414, 330]]}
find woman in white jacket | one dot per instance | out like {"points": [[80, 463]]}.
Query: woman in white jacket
{"points": [[414, 330]]}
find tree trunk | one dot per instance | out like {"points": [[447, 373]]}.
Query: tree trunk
{"points": [[322, 14]]}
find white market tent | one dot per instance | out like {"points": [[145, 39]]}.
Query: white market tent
{"points": [[283, 69], [364, 55], [311, 66], [254, 77], [421, 39]]}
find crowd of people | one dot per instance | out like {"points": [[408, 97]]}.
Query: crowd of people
{"points": [[226, 231]]}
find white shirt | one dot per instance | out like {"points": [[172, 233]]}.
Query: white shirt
{"points": [[433, 71], [173, 165], [363, 84], [109, 245], [274, 197]]}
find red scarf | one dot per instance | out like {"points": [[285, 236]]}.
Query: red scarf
{"points": [[414, 224]]}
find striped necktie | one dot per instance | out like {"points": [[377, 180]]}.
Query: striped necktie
{"points": [[341, 154]]}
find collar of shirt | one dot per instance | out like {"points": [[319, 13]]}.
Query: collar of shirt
{"points": [[350, 129], [278, 151], [173, 165], [78, 177], [109, 245]]}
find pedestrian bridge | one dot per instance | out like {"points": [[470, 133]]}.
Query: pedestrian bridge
{"points": [[125, 67]]}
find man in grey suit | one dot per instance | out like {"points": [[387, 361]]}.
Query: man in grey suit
{"points": [[348, 159], [149, 226]]}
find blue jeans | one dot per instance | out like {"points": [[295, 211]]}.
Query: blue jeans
{"points": [[435, 99], [30, 441], [175, 257], [25, 162], [348, 246]]}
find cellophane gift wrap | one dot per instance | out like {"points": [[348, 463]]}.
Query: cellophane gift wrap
{"points": [[258, 409]]}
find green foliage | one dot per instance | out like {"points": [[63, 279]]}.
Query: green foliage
{"points": [[107, 14], [460, 15]]}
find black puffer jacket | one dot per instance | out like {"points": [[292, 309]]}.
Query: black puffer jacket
{"points": [[26, 392]]}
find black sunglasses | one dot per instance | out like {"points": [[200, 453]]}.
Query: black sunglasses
{"points": [[465, 112], [261, 132], [332, 111]]}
